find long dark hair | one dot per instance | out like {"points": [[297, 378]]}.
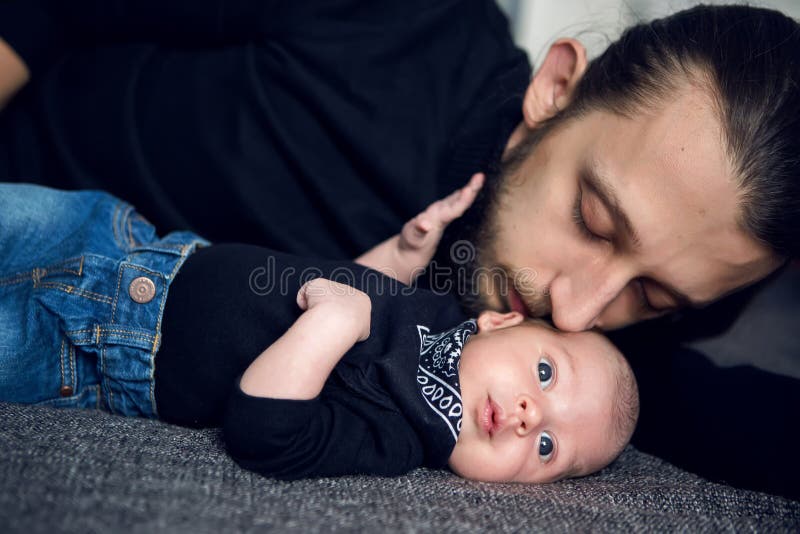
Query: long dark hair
{"points": [[750, 57]]}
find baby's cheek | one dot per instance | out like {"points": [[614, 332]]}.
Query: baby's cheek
{"points": [[474, 459]]}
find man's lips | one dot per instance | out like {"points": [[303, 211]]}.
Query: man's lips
{"points": [[492, 417], [515, 302]]}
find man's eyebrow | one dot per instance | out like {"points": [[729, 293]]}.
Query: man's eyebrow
{"points": [[596, 180]]}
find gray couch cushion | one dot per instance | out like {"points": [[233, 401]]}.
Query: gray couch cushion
{"points": [[85, 471]]}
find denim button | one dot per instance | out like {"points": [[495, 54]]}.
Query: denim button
{"points": [[65, 391], [142, 290]]}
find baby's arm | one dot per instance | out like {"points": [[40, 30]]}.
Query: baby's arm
{"points": [[280, 423], [297, 365], [403, 256]]}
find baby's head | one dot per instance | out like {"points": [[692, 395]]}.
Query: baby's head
{"points": [[541, 405]]}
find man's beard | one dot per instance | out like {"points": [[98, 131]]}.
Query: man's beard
{"points": [[467, 263]]}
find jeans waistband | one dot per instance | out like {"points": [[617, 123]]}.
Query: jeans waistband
{"points": [[126, 341], [84, 281]]}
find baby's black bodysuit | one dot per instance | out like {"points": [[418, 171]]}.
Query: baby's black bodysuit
{"points": [[392, 403]]}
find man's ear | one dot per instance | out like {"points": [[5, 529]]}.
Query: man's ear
{"points": [[553, 84], [491, 320]]}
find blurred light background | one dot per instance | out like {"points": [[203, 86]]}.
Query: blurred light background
{"points": [[537, 23]]}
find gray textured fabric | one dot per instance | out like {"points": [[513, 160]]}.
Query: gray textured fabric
{"points": [[84, 471]]}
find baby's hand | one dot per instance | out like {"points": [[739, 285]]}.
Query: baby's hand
{"points": [[297, 364], [344, 302], [423, 232], [404, 255]]}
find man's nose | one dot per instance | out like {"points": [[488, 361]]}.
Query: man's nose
{"points": [[579, 298], [528, 413]]}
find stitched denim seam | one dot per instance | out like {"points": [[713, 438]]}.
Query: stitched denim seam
{"points": [[16, 278], [131, 240], [125, 224], [157, 247], [171, 246], [64, 267], [143, 338], [116, 296], [152, 375], [145, 270], [108, 389], [72, 366], [78, 292], [120, 217], [98, 328], [141, 220], [39, 272], [61, 366], [115, 221]]}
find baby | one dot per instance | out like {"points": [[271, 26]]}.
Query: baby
{"points": [[525, 403], [328, 374]]}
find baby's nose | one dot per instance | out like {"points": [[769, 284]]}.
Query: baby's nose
{"points": [[529, 414]]}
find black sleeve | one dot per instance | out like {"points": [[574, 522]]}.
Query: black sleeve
{"points": [[330, 435], [37, 29]]}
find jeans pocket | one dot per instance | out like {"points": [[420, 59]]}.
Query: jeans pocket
{"points": [[36, 372], [88, 397]]}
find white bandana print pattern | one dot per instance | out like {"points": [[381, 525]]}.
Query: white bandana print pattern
{"points": [[437, 373]]}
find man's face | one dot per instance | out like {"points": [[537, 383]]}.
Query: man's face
{"points": [[537, 405], [612, 220]]}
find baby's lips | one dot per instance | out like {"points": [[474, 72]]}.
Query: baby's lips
{"points": [[500, 419], [494, 419], [486, 417]]}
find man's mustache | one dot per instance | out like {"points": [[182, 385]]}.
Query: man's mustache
{"points": [[525, 292]]}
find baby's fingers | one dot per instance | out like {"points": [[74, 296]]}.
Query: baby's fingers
{"points": [[457, 203], [426, 229], [313, 291], [414, 231], [302, 299]]}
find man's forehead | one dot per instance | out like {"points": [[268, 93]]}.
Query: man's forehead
{"points": [[677, 146]]}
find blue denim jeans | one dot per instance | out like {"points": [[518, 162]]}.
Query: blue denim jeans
{"points": [[83, 284]]}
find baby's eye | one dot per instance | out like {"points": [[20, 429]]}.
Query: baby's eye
{"points": [[545, 371], [545, 447]]}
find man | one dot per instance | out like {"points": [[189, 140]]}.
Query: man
{"points": [[628, 189]]}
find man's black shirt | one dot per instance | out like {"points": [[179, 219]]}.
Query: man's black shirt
{"points": [[263, 122]]}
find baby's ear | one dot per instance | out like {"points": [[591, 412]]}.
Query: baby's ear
{"points": [[491, 320]]}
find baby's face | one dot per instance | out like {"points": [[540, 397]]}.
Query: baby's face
{"points": [[537, 403]]}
